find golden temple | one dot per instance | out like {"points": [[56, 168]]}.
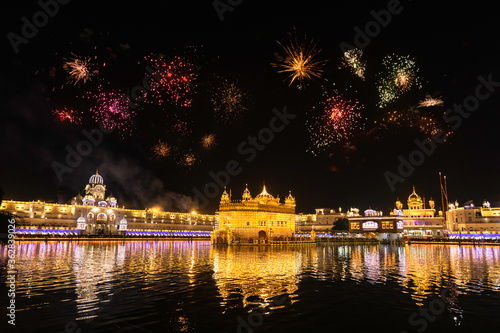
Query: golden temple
{"points": [[256, 220]]}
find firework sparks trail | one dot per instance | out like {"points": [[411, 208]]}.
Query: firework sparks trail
{"points": [[79, 69], [353, 59], [175, 81], [398, 77], [66, 114], [299, 61], [112, 109], [426, 124], [228, 101], [161, 149], [340, 118], [430, 101], [189, 159], [208, 141]]}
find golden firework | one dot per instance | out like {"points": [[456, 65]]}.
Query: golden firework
{"points": [[299, 61], [208, 141], [161, 149], [78, 69], [430, 101]]}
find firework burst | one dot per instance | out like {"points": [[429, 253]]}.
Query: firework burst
{"points": [[173, 81], [429, 101], [69, 115], [299, 61], [208, 141], [79, 69], [187, 160], [111, 108], [398, 77], [425, 123], [338, 121], [353, 59], [161, 149], [228, 101], [181, 127]]}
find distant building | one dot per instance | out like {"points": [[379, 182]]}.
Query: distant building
{"points": [[96, 214], [418, 220], [472, 219], [322, 221], [256, 219], [388, 228]]}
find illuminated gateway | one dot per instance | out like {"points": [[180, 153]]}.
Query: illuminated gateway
{"points": [[254, 220], [96, 214]]}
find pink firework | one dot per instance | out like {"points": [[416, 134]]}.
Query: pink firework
{"points": [[339, 120], [173, 81], [66, 114], [112, 109]]}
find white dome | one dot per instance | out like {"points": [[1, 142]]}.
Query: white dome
{"points": [[96, 179], [81, 219]]}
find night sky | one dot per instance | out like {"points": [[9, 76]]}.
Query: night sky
{"points": [[452, 44]]}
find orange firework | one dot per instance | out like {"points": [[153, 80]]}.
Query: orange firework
{"points": [[208, 141], [161, 149], [66, 114], [78, 69], [299, 60], [430, 101]]}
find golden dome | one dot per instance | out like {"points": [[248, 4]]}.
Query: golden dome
{"points": [[290, 200], [414, 197], [264, 195], [246, 193], [225, 196]]}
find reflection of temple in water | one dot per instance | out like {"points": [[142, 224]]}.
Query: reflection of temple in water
{"points": [[260, 272]]}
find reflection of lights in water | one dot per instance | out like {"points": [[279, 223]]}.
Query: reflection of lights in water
{"points": [[258, 274], [94, 267]]}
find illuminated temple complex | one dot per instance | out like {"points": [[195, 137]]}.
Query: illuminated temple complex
{"points": [[254, 220], [95, 214], [262, 219]]}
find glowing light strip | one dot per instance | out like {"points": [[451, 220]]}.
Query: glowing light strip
{"points": [[45, 231], [461, 236], [169, 233]]}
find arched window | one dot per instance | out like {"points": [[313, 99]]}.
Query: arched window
{"points": [[123, 225], [101, 217], [90, 216]]}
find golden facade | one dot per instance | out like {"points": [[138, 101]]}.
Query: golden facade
{"points": [[254, 220], [419, 220]]}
